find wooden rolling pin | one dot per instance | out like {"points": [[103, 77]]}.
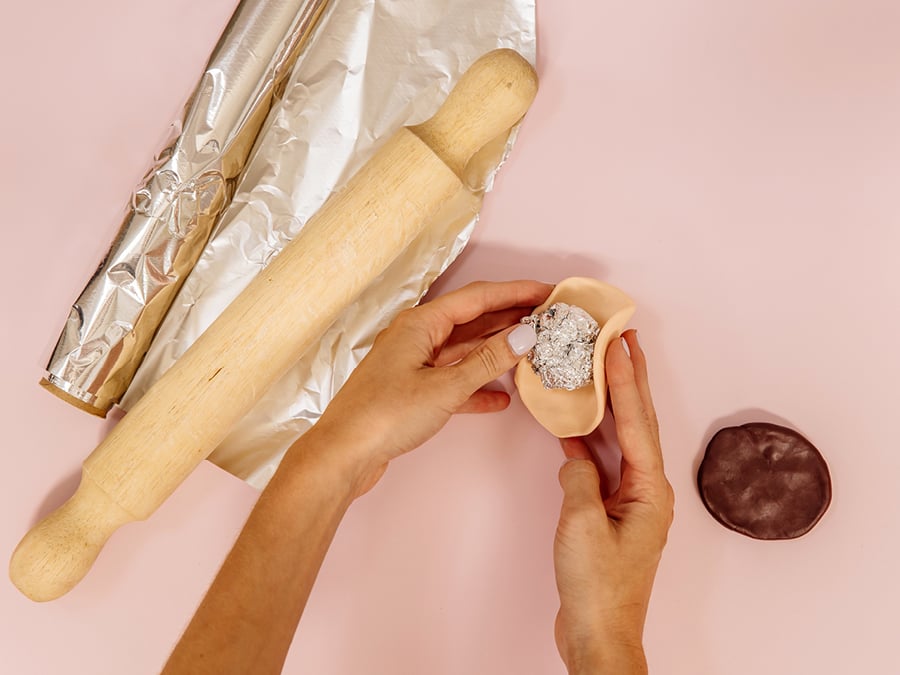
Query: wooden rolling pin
{"points": [[352, 239]]}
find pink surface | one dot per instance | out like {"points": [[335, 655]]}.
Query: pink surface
{"points": [[734, 166]]}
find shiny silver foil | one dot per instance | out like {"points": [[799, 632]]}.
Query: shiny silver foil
{"points": [[173, 211], [370, 68], [563, 356]]}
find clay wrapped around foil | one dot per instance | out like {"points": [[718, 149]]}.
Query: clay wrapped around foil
{"points": [[173, 211], [563, 356], [370, 68]]}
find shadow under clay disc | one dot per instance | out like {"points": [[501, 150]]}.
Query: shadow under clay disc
{"points": [[764, 481]]}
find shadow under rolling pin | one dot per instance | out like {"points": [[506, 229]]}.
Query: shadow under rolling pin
{"points": [[351, 240]]}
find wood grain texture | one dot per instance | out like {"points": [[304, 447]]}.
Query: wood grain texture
{"points": [[288, 306]]}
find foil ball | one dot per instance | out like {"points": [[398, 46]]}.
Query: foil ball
{"points": [[563, 356]]}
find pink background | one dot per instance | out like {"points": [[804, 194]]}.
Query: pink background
{"points": [[735, 166]]}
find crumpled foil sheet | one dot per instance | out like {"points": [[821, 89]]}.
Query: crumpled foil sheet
{"points": [[563, 356], [173, 211], [370, 68]]}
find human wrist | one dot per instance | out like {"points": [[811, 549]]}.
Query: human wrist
{"points": [[341, 454], [609, 659], [601, 645]]}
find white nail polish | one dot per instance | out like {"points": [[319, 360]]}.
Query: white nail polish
{"points": [[522, 339], [627, 348]]}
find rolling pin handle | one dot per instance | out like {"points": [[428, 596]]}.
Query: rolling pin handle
{"points": [[489, 99], [56, 554]]}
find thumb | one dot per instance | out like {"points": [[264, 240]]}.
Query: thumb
{"points": [[495, 356], [580, 482]]}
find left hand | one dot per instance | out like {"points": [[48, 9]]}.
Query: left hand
{"points": [[430, 363]]}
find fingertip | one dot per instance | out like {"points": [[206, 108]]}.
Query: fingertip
{"points": [[569, 464], [624, 341], [575, 448], [499, 400], [633, 346], [485, 401], [580, 480], [539, 288], [619, 365], [534, 293], [638, 357], [521, 339], [546, 288]]}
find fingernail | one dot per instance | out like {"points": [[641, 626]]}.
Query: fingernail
{"points": [[625, 345], [522, 339]]}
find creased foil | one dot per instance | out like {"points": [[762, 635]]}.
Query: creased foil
{"points": [[173, 211], [370, 68]]}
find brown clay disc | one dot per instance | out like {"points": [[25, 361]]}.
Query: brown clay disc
{"points": [[764, 481]]}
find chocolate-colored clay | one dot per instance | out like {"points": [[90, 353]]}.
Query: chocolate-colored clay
{"points": [[764, 481]]}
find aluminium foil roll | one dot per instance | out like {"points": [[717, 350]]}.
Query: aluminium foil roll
{"points": [[173, 212]]}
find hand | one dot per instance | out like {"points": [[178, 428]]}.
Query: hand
{"points": [[431, 362], [607, 548]]}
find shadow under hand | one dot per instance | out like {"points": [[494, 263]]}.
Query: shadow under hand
{"points": [[492, 262]]}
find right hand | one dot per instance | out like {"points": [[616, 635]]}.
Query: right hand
{"points": [[607, 548], [430, 363]]}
